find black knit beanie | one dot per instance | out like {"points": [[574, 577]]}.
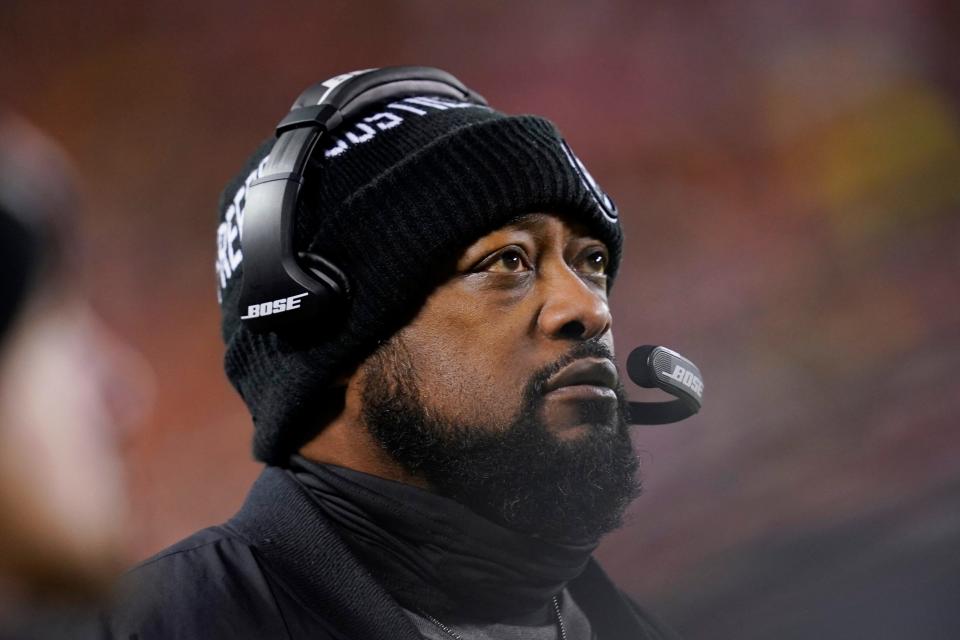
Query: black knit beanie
{"points": [[392, 198]]}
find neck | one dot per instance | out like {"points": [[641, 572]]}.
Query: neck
{"points": [[350, 445], [346, 442], [432, 553]]}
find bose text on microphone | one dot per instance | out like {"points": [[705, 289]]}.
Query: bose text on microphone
{"points": [[651, 366]]}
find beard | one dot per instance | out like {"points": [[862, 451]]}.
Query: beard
{"points": [[518, 474]]}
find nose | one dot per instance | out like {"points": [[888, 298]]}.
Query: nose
{"points": [[573, 309]]}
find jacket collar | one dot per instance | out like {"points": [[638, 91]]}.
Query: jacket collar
{"points": [[292, 536]]}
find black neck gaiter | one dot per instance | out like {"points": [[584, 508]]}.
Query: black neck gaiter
{"points": [[433, 554]]}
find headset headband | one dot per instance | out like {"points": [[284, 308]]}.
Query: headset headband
{"points": [[280, 287]]}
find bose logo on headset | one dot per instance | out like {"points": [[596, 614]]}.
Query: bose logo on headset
{"points": [[274, 306], [687, 379]]}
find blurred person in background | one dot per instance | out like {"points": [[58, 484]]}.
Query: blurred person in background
{"points": [[69, 393], [446, 450]]}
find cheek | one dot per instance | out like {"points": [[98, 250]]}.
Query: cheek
{"points": [[470, 363]]}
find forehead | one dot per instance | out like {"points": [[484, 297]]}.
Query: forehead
{"points": [[542, 224]]}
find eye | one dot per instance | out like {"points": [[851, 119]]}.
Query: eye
{"points": [[594, 263], [509, 260]]}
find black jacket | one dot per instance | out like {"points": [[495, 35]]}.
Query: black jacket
{"points": [[279, 570]]}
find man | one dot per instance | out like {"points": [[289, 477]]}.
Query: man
{"points": [[446, 449], [69, 391]]}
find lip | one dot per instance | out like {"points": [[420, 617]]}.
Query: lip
{"points": [[595, 372]]}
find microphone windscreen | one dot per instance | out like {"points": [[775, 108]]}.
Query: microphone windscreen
{"points": [[638, 367]]}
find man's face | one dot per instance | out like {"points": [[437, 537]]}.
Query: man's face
{"points": [[502, 393]]}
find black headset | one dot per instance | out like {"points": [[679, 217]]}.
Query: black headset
{"points": [[283, 288]]}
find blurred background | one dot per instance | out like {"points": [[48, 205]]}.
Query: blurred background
{"points": [[789, 178]]}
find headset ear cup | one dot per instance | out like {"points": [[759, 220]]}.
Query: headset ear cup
{"points": [[328, 274]]}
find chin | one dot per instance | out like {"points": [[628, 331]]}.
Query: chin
{"points": [[575, 432], [573, 420]]}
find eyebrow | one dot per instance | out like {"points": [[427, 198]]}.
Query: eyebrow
{"points": [[526, 222], [523, 221]]}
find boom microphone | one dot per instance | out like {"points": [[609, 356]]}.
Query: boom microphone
{"points": [[650, 366]]}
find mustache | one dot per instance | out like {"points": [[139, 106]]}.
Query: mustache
{"points": [[588, 349]]}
